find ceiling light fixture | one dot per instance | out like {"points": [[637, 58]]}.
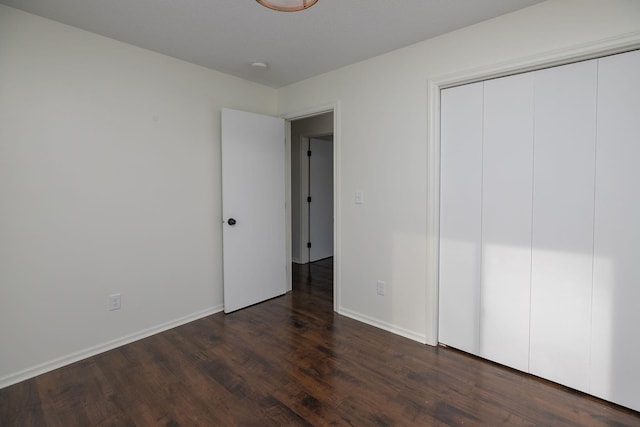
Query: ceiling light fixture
{"points": [[287, 5], [259, 65]]}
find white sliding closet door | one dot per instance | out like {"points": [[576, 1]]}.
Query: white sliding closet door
{"points": [[460, 204], [507, 178], [615, 373], [563, 201], [540, 224]]}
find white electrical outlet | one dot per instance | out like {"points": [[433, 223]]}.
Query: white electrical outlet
{"points": [[381, 287], [114, 302], [359, 197]]}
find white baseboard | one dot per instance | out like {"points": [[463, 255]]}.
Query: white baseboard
{"points": [[297, 261], [415, 336], [101, 348]]}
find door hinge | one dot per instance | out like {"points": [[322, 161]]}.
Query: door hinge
{"points": [[308, 244], [309, 153], [309, 199]]}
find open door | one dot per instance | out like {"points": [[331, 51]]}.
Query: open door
{"points": [[253, 208]]}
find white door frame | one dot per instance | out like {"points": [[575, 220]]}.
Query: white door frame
{"points": [[581, 52], [314, 111]]}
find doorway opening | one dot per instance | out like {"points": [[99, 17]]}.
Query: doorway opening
{"points": [[312, 201]]}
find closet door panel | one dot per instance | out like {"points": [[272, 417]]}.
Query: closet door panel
{"points": [[506, 220], [615, 347], [563, 204], [460, 204]]}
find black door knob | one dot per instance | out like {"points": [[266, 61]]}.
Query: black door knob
{"points": [[231, 221]]}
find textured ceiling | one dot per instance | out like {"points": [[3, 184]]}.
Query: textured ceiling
{"points": [[228, 35]]}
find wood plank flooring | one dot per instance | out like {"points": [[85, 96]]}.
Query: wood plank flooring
{"points": [[291, 361]]}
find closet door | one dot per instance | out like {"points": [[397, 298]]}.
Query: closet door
{"points": [[615, 371], [563, 203], [460, 205], [507, 178]]}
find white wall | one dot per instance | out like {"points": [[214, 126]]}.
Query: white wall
{"points": [[109, 182], [301, 130], [383, 146]]}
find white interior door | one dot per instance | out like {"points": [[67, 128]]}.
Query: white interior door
{"points": [[562, 234], [507, 180], [253, 208], [321, 192], [460, 216], [615, 372]]}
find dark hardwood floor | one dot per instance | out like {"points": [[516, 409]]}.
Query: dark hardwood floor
{"points": [[291, 361]]}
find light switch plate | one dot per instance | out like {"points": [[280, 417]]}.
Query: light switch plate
{"points": [[114, 302]]}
